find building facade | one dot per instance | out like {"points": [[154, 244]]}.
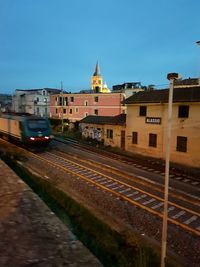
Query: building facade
{"points": [[147, 123], [110, 130], [33, 101], [128, 89], [75, 107]]}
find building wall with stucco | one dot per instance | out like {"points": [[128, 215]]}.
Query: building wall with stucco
{"points": [[78, 106], [187, 128], [101, 132]]}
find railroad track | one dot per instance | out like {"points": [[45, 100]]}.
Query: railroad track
{"points": [[149, 165], [179, 215]]}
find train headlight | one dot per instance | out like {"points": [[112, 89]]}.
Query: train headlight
{"points": [[46, 137], [32, 138]]}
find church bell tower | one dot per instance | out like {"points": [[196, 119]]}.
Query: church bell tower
{"points": [[97, 80]]}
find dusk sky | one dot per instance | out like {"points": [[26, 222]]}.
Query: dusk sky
{"points": [[44, 42]]}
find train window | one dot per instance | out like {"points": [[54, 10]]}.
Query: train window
{"points": [[37, 125]]}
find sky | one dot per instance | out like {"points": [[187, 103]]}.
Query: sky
{"points": [[44, 42]]}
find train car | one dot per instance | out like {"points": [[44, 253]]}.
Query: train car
{"points": [[26, 129]]}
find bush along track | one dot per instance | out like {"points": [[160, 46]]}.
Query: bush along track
{"points": [[110, 246]]}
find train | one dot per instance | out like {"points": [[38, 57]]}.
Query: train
{"points": [[27, 129]]}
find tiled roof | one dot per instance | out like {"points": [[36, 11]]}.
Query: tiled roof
{"points": [[161, 96], [189, 81], [116, 120]]}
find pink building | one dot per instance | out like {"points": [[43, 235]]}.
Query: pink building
{"points": [[79, 105]]}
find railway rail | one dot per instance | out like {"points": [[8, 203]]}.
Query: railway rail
{"points": [[122, 197], [154, 166], [179, 215]]}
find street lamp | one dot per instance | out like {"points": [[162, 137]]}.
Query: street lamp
{"points": [[171, 77]]}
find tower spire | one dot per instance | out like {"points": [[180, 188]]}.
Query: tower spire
{"points": [[97, 70]]}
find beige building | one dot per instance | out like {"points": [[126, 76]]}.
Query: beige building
{"points": [[147, 122], [110, 130]]}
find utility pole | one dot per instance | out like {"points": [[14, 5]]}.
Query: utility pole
{"points": [[198, 43], [62, 107], [171, 77]]}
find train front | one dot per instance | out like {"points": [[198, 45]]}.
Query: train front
{"points": [[37, 131]]}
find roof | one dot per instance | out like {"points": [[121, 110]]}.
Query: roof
{"points": [[114, 120], [49, 90], [97, 70], [19, 116], [191, 94], [189, 81]]}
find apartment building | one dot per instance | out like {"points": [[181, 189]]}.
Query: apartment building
{"points": [[77, 106], [33, 101]]}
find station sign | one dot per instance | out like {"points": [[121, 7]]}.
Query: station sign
{"points": [[153, 120]]}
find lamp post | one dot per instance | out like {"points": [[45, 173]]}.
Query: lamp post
{"points": [[198, 43], [171, 77]]}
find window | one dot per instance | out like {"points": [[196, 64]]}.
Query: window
{"points": [[72, 99], [60, 101], [143, 110], [86, 114], [96, 99], [70, 111], [66, 101], [110, 133], [36, 125], [64, 110], [96, 111], [86, 102], [181, 144], [56, 110], [183, 111], [76, 110], [153, 140], [134, 137]]}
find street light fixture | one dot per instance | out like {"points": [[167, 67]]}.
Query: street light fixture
{"points": [[171, 77]]}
